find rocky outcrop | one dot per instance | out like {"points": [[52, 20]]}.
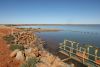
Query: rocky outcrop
{"points": [[46, 58], [27, 39]]}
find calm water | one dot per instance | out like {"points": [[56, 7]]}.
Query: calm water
{"points": [[84, 34]]}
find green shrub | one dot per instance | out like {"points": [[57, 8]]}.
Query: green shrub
{"points": [[31, 62], [20, 47], [9, 39]]}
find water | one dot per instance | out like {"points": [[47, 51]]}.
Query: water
{"points": [[84, 34]]}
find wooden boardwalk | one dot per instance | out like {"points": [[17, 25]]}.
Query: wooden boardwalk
{"points": [[87, 54]]}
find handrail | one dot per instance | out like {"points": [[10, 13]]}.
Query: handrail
{"points": [[71, 50], [81, 51]]}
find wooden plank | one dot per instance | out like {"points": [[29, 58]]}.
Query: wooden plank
{"points": [[73, 57], [64, 53], [66, 59]]}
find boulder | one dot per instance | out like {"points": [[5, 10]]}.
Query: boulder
{"points": [[58, 63], [31, 52], [20, 56], [28, 51], [42, 65], [35, 51], [13, 54], [42, 53], [49, 58]]}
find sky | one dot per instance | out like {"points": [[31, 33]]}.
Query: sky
{"points": [[49, 11]]}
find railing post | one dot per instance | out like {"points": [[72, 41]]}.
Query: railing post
{"points": [[80, 49], [96, 51], [88, 49], [64, 42], [84, 55], [72, 47], [61, 46], [64, 46], [71, 50], [77, 46], [88, 52]]}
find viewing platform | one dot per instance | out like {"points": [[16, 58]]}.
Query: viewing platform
{"points": [[87, 54]]}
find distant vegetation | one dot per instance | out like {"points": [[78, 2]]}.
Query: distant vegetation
{"points": [[10, 24]]}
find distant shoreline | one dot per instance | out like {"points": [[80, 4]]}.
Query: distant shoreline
{"points": [[49, 24], [42, 29]]}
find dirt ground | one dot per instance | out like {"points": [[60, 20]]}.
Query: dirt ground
{"points": [[5, 60]]}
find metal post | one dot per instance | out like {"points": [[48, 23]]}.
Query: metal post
{"points": [[96, 51], [77, 45], [72, 47], [64, 47], [64, 42], [88, 51], [84, 55], [60, 45], [80, 49]]}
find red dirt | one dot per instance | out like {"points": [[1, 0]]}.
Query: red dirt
{"points": [[5, 60], [98, 62]]}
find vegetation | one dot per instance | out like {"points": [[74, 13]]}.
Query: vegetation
{"points": [[20, 47], [9, 39], [31, 62], [9, 25]]}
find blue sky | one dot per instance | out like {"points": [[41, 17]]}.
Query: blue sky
{"points": [[50, 11]]}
